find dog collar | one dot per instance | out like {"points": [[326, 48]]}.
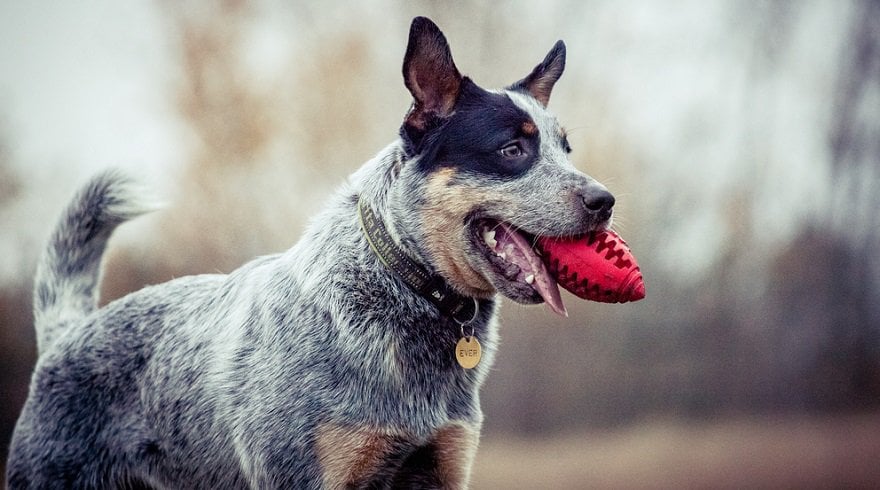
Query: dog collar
{"points": [[432, 287]]}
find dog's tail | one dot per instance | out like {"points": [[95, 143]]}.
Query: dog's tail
{"points": [[66, 284]]}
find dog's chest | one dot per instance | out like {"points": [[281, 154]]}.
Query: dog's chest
{"points": [[358, 456]]}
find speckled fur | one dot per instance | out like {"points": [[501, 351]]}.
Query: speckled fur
{"points": [[314, 368]]}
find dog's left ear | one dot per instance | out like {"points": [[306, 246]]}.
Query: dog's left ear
{"points": [[430, 75], [540, 81]]}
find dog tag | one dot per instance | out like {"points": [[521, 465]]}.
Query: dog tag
{"points": [[468, 352]]}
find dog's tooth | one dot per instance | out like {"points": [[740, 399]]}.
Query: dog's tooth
{"points": [[530, 278], [489, 238], [502, 255]]}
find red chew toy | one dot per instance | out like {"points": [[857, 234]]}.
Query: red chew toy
{"points": [[597, 266]]}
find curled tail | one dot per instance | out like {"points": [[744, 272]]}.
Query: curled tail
{"points": [[66, 285]]}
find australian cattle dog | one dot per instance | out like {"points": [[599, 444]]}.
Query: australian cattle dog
{"points": [[354, 359]]}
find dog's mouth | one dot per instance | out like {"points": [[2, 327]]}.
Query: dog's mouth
{"points": [[514, 256]]}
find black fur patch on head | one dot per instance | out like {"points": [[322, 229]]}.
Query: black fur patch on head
{"points": [[487, 134]]}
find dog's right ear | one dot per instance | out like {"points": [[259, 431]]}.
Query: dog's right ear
{"points": [[431, 77]]}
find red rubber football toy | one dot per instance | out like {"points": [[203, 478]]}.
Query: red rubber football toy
{"points": [[597, 267]]}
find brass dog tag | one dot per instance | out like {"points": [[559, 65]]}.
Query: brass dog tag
{"points": [[468, 352]]}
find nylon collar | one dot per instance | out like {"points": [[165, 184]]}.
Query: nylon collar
{"points": [[432, 287]]}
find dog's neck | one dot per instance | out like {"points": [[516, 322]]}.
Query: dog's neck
{"points": [[432, 287]]}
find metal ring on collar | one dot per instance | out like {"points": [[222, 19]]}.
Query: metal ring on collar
{"points": [[468, 322]]}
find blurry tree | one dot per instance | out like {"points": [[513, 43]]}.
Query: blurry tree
{"points": [[801, 327], [264, 150], [854, 266], [218, 217], [824, 299], [16, 336]]}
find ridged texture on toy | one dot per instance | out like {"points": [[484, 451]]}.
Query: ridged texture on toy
{"points": [[596, 267]]}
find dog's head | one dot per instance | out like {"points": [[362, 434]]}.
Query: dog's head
{"points": [[487, 171]]}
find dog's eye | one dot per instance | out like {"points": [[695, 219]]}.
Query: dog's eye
{"points": [[513, 150]]}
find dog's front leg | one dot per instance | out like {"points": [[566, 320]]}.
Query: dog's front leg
{"points": [[445, 462]]}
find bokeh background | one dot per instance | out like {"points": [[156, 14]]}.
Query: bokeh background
{"points": [[741, 138]]}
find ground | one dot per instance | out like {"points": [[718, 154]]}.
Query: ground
{"points": [[838, 452], [797, 453]]}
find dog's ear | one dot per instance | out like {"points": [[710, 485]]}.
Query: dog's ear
{"points": [[430, 75], [540, 81]]}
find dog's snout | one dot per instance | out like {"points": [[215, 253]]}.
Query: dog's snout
{"points": [[598, 201]]}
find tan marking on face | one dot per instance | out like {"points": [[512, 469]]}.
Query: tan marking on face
{"points": [[529, 128], [350, 455], [455, 446], [561, 132], [443, 220]]}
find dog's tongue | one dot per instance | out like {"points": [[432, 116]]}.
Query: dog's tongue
{"points": [[518, 251]]}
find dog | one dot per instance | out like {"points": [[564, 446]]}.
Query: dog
{"points": [[354, 359]]}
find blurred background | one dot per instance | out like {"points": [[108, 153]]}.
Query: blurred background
{"points": [[741, 138]]}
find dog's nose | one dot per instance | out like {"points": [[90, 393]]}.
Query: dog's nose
{"points": [[599, 202]]}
